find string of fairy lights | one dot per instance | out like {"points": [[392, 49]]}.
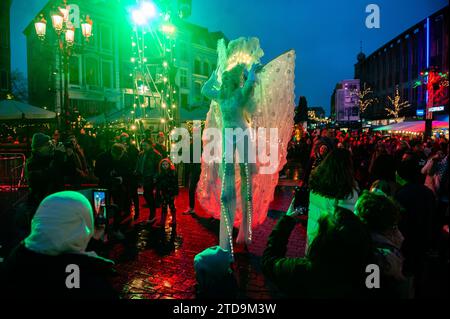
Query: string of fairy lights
{"points": [[153, 70]]}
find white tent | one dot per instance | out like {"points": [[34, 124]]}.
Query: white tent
{"points": [[14, 110]]}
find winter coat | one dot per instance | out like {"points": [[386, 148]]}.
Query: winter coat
{"points": [[106, 169], [147, 166], [38, 276], [61, 231], [167, 185], [44, 176], [387, 255]]}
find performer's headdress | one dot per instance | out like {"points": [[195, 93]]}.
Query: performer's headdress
{"points": [[240, 54]]}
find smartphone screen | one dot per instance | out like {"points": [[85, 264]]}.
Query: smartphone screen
{"points": [[99, 204]]}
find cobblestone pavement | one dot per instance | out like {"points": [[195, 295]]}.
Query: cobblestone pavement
{"points": [[158, 263]]}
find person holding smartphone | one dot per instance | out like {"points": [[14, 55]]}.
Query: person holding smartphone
{"points": [[62, 229], [44, 168]]}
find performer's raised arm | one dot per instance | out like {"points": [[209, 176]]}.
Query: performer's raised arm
{"points": [[210, 88], [249, 85]]}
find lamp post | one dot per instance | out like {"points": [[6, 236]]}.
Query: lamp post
{"points": [[65, 32]]}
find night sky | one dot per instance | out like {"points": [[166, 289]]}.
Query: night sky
{"points": [[326, 35]]}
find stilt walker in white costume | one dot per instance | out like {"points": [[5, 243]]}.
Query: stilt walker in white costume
{"points": [[246, 95]]}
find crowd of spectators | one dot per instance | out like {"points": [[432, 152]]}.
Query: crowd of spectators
{"points": [[372, 200]]}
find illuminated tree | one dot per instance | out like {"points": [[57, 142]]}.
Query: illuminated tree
{"points": [[395, 105], [365, 98]]}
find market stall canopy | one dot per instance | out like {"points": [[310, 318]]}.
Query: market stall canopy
{"points": [[413, 126], [15, 110], [116, 116], [97, 120]]}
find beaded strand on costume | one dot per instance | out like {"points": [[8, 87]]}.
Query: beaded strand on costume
{"points": [[224, 214], [249, 203]]}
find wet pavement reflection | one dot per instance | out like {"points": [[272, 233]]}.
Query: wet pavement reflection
{"points": [[157, 263]]}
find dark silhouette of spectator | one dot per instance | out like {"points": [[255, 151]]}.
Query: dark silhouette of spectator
{"points": [[114, 174], [44, 169], [381, 215], [82, 166], [167, 188], [147, 170], [132, 156], [321, 150], [419, 210], [160, 145], [383, 170], [193, 175], [72, 173]]}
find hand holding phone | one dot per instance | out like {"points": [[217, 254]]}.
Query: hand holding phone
{"points": [[300, 203]]}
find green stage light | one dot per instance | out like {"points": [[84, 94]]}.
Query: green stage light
{"points": [[149, 9], [143, 13], [138, 17]]}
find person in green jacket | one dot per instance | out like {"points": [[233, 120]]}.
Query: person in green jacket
{"points": [[335, 264]]}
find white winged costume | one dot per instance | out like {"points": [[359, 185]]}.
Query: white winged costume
{"points": [[242, 199]]}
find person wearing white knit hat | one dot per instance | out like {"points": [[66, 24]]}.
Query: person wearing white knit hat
{"points": [[42, 264]]}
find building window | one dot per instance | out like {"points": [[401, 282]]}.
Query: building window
{"points": [[107, 74], [197, 67], [74, 70], [92, 71], [106, 37], [197, 88], [198, 92], [183, 78], [184, 100]]}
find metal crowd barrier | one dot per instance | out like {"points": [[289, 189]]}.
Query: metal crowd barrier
{"points": [[12, 171]]}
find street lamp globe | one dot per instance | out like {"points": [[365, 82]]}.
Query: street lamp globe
{"points": [[70, 37], [57, 21], [86, 28], [41, 27]]}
